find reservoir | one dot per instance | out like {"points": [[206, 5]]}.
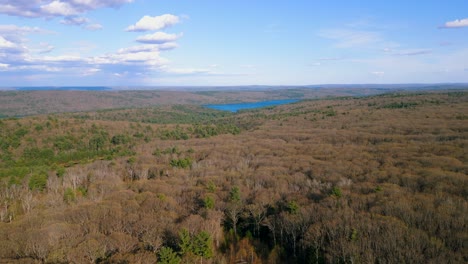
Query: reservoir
{"points": [[242, 106]]}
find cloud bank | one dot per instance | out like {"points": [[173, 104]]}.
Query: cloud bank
{"points": [[54, 8]]}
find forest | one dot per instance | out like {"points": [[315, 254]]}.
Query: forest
{"points": [[374, 178]]}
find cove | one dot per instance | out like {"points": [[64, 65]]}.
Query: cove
{"points": [[241, 106]]}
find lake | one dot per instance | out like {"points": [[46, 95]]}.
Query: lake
{"points": [[242, 106]]}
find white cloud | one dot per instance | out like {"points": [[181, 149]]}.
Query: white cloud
{"points": [[120, 75], [5, 44], [58, 8], [27, 58], [158, 38], [148, 23], [458, 23], [94, 4], [12, 39], [80, 21], [23, 8], [93, 27], [42, 48], [68, 9], [90, 71], [167, 46], [14, 29], [145, 59], [149, 48], [131, 56], [139, 48], [4, 66], [74, 20], [53, 8], [63, 58], [40, 68]]}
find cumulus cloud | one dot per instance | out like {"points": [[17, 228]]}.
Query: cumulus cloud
{"points": [[15, 34], [80, 21], [5, 44], [16, 49], [20, 55], [24, 57], [58, 8], [148, 23], [458, 23], [53, 8], [144, 59], [158, 38]]}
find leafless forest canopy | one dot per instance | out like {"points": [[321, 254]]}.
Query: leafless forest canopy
{"points": [[379, 178], [14, 103]]}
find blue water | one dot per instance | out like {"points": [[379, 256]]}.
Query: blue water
{"points": [[236, 107], [65, 88]]}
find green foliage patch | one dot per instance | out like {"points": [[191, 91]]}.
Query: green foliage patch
{"points": [[181, 163], [38, 181]]}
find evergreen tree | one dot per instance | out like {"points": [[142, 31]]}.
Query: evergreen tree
{"points": [[234, 194], [202, 245], [185, 242], [168, 256]]}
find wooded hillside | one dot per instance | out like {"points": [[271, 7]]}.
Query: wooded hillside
{"points": [[15, 103], [377, 179]]}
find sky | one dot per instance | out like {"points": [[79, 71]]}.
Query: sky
{"points": [[231, 42]]}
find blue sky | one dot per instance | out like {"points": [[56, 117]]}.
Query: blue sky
{"points": [[241, 42]]}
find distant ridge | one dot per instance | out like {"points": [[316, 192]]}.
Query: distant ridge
{"points": [[64, 88], [407, 86]]}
